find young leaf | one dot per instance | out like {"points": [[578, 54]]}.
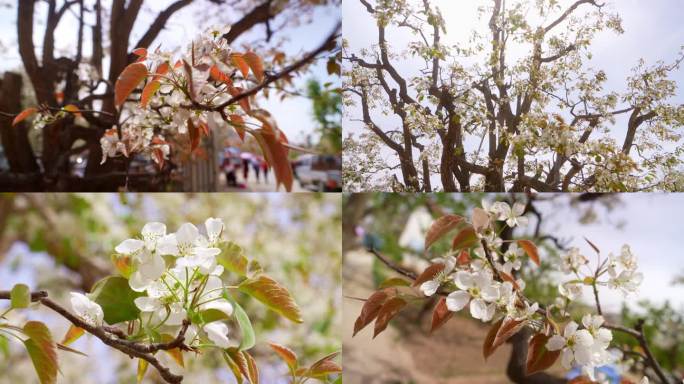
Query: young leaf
{"points": [[509, 327], [370, 309], [240, 62], [463, 257], [20, 296], [480, 219], [531, 250], [286, 354], [219, 76], [244, 102], [233, 258], [116, 298], [140, 52], [72, 109], [149, 91], [237, 364], [239, 125], [273, 295], [72, 334], [23, 115], [194, 135], [161, 70], [488, 346], [394, 282], [248, 338], [128, 80], [429, 273], [466, 238], [252, 370], [386, 313], [123, 264], [538, 357], [440, 315], [42, 350], [256, 64], [142, 369], [276, 155], [65, 348], [323, 367], [440, 227], [506, 277]]}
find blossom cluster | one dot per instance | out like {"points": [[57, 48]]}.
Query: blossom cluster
{"points": [[171, 106], [173, 292], [485, 281]]}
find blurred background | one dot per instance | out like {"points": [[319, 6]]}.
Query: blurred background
{"points": [[395, 224], [63, 242]]}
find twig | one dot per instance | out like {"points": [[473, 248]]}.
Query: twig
{"points": [[393, 266], [133, 349]]}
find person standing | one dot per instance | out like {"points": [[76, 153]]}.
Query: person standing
{"points": [[245, 168], [256, 164]]}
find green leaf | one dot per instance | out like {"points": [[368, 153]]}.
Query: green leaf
{"points": [[210, 315], [233, 258], [20, 296], [4, 346], [42, 350], [248, 338], [116, 299], [273, 295]]}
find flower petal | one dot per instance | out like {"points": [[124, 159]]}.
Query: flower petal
{"points": [[457, 300], [129, 246]]}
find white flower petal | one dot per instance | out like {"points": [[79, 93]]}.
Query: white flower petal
{"points": [[567, 357], [457, 300], [222, 305], [478, 308], [429, 287], [146, 304], [129, 246], [555, 343], [464, 280], [214, 228], [218, 334], [570, 329], [584, 338]]}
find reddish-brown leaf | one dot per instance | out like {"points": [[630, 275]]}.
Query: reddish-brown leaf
{"points": [[531, 250], [466, 238], [252, 368], [370, 309], [150, 89], [194, 135], [162, 70], [276, 156], [429, 273], [256, 64], [244, 102], [140, 52], [508, 328], [240, 62], [219, 76], [463, 257], [538, 357], [488, 346], [324, 366], [440, 227], [239, 125], [24, 115], [387, 312], [440, 315], [506, 277], [286, 354], [128, 80], [480, 219]]}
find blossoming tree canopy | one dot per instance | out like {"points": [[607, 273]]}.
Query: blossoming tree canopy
{"points": [[170, 296], [483, 275], [513, 103]]}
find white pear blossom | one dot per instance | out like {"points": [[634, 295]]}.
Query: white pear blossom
{"points": [[479, 290], [431, 286], [513, 258], [572, 291], [217, 333], [88, 310], [513, 216], [573, 260], [576, 346]]}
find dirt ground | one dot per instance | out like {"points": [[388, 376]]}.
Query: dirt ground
{"points": [[407, 354]]}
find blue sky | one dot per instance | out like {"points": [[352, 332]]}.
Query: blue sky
{"points": [[653, 31], [294, 115]]}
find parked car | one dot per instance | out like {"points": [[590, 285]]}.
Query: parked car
{"points": [[319, 172]]}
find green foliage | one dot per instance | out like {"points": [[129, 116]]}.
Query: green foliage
{"points": [[116, 299], [327, 110], [20, 296], [42, 350]]}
